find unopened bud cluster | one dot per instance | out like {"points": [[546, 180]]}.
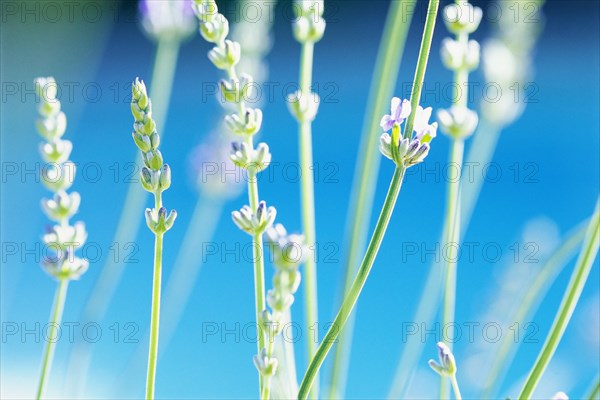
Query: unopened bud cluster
{"points": [[404, 148], [289, 251], [309, 25], [58, 176], [460, 55], [155, 176], [447, 365]]}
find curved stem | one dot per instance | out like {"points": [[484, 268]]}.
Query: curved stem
{"points": [[55, 319], [357, 285], [383, 220], [455, 387], [567, 306], [155, 315], [383, 82], [528, 305], [308, 207]]}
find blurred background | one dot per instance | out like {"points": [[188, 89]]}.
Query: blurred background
{"points": [[543, 183]]}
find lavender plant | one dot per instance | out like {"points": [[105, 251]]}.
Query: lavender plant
{"points": [[155, 178], [289, 251], [406, 150], [167, 23], [255, 218], [308, 28], [460, 55], [384, 79], [64, 238], [446, 367]]}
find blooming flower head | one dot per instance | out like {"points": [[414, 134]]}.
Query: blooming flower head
{"points": [[424, 131], [167, 18], [400, 110], [406, 149]]}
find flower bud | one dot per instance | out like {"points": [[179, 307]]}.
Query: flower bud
{"points": [[462, 18], [447, 364], [267, 366], [249, 125], [215, 30], [165, 177], [458, 121], [58, 177], [52, 128], [153, 159], [56, 152], [304, 106]]}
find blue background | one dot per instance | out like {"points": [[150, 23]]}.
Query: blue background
{"points": [[558, 134]]}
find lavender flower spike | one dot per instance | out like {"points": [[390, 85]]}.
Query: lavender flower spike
{"points": [[399, 112]]}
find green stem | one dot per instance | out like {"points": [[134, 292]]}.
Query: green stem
{"points": [[55, 319], [308, 208], [383, 220], [452, 226], [480, 153], [163, 74], [536, 291], [357, 285], [259, 263], [155, 315], [568, 304], [383, 82], [455, 387], [451, 243]]}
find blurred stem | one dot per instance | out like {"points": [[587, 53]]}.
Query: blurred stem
{"points": [[357, 285], [155, 314], [163, 73], [452, 225], [595, 391], [259, 263], [383, 82], [308, 208], [455, 387], [55, 319], [452, 238], [568, 304], [480, 153], [529, 304]]}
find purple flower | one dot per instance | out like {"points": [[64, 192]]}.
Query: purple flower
{"points": [[399, 112], [167, 17], [421, 125]]}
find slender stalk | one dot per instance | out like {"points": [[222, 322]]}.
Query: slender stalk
{"points": [[55, 319], [461, 79], [455, 387], [155, 315], [258, 260], [452, 239], [383, 220], [358, 284], [536, 292], [568, 304], [308, 208], [383, 82], [480, 152], [163, 73]]}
